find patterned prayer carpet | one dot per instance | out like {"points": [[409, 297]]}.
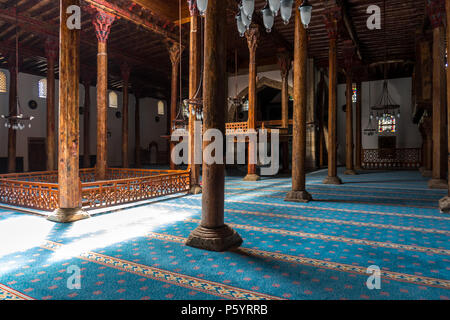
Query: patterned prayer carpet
{"points": [[318, 250]]}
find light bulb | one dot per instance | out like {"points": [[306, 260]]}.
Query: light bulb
{"points": [[245, 20], [240, 25], [305, 13], [202, 5], [249, 7], [286, 10], [268, 18], [274, 6]]}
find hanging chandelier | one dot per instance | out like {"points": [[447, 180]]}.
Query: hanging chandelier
{"points": [[269, 12], [236, 102], [370, 129], [16, 120]]}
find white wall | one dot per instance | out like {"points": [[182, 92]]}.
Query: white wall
{"points": [[408, 134], [28, 90]]}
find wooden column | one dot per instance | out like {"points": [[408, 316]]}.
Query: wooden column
{"points": [[68, 163], [175, 55], [331, 23], [252, 35], [125, 69], [444, 203], [194, 92], [358, 130], [284, 62], [102, 22], [436, 10], [51, 52], [12, 134], [299, 193], [137, 128], [213, 234], [321, 109], [87, 78], [349, 51]]}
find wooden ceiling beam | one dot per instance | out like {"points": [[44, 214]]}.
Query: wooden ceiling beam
{"points": [[348, 23], [134, 18], [168, 9]]}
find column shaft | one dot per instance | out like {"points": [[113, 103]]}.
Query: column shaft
{"points": [[298, 192], [213, 234]]}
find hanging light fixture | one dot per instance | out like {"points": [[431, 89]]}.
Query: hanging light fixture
{"points": [[268, 18], [245, 20], [286, 10], [305, 13], [236, 101], [240, 26], [202, 5], [274, 6], [16, 120], [249, 8], [370, 128]]}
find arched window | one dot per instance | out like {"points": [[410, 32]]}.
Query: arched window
{"points": [[2, 82], [113, 100], [42, 86], [160, 108], [355, 93], [387, 124]]}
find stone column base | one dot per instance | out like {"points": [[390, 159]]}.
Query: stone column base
{"points": [[216, 239], [251, 177], [332, 180], [298, 196], [437, 184], [350, 172], [427, 173], [195, 189], [65, 215], [444, 204]]}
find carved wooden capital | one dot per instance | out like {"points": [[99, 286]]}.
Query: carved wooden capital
{"points": [[331, 17], [125, 70], [284, 62], [174, 52], [193, 10], [51, 48], [436, 12], [102, 22], [252, 35]]}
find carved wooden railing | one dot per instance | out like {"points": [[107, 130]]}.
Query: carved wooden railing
{"points": [[37, 190], [110, 193], [35, 195], [236, 127], [406, 158]]}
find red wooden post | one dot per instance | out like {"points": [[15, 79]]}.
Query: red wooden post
{"points": [[102, 22], [331, 22], [213, 234], [298, 192], [68, 164]]}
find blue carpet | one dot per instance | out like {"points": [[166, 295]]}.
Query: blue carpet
{"points": [[317, 250]]}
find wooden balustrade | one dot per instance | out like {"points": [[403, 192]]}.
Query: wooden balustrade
{"points": [[109, 193], [403, 158], [35, 195], [39, 190]]}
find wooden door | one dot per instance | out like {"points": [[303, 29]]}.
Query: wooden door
{"points": [[37, 159]]}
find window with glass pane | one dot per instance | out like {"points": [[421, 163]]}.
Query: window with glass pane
{"points": [[2, 82], [355, 93], [42, 88], [113, 100], [387, 124]]}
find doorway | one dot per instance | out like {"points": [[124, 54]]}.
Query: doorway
{"points": [[37, 158]]}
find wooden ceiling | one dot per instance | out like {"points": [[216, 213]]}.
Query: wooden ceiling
{"points": [[138, 37]]}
